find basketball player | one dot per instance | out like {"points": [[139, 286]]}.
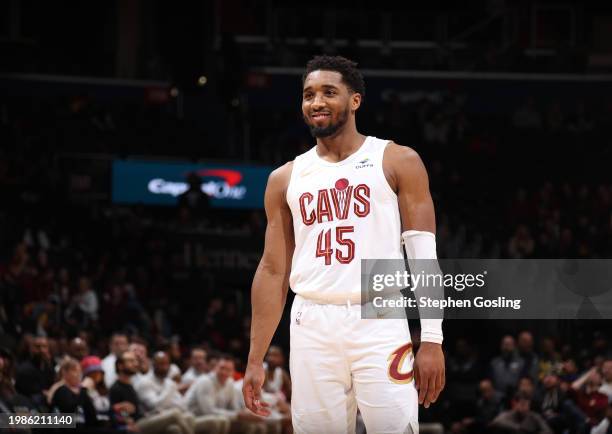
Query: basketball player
{"points": [[349, 197]]}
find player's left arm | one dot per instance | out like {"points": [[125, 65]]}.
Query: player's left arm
{"points": [[407, 176]]}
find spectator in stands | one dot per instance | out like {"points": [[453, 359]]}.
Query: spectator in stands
{"points": [[93, 382], [605, 426], [126, 408], [277, 378], [36, 374], [10, 400], [197, 367], [463, 372], [606, 385], [78, 348], [216, 394], [276, 390], [83, 308], [506, 368], [72, 397], [489, 402], [569, 371], [160, 396], [585, 392], [115, 243], [118, 344], [488, 406], [279, 419], [550, 360], [521, 419], [143, 364], [158, 392], [522, 244], [139, 347], [553, 405], [528, 356], [174, 373], [527, 386]]}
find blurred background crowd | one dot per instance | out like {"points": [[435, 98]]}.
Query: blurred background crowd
{"points": [[137, 316]]}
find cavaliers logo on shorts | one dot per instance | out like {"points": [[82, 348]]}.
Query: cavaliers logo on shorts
{"points": [[396, 361]]}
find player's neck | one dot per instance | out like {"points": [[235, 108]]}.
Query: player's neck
{"points": [[340, 146]]}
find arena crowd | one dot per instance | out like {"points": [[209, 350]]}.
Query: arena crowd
{"points": [[105, 313]]}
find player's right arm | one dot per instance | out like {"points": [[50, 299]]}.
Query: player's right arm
{"points": [[270, 284]]}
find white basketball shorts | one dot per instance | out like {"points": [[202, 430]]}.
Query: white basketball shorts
{"points": [[339, 362]]}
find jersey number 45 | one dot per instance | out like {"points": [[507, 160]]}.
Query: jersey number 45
{"points": [[345, 250]]}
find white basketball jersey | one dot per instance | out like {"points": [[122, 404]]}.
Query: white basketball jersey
{"points": [[342, 212]]}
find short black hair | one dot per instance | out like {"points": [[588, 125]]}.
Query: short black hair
{"points": [[351, 76], [119, 333], [226, 356], [120, 360], [522, 396], [139, 340], [197, 348]]}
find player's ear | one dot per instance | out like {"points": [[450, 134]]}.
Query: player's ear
{"points": [[355, 101]]}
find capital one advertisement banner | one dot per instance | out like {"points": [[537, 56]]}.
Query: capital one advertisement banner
{"points": [[161, 183]]}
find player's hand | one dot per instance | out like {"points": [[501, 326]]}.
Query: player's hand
{"points": [[251, 389], [429, 372]]}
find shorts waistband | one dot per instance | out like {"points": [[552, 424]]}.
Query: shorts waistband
{"points": [[327, 300]]}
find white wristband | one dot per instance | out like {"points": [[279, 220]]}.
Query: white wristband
{"points": [[431, 331], [422, 245], [419, 244]]}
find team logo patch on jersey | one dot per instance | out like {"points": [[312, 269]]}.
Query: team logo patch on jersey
{"points": [[366, 162], [343, 192], [396, 361], [341, 184]]}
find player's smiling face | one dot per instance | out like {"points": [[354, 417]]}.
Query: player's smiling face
{"points": [[327, 102]]}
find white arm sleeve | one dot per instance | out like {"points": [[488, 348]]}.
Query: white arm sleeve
{"points": [[422, 245]]}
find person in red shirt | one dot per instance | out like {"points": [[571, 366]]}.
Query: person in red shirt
{"points": [[585, 392]]}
